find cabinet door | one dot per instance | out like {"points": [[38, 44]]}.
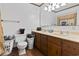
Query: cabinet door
{"points": [[54, 46], [44, 47], [54, 50], [67, 48], [70, 48], [37, 40]]}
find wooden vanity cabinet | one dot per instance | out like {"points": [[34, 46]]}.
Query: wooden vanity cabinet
{"points": [[70, 48], [41, 43], [48, 45], [54, 46], [44, 44], [37, 41]]}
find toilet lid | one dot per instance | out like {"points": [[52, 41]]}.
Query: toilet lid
{"points": [[22, 43]]}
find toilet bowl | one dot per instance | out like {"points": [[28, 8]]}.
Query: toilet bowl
{"points": [[21, 43], [21, 47]]}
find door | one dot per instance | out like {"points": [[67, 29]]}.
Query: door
{"points": [[44, 45], [37, 40], [1, 39]]}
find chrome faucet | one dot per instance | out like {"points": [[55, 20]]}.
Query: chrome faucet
{"points": [[62, 32]]}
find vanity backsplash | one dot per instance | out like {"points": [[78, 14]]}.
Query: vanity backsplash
{"points": [[61, 28]]}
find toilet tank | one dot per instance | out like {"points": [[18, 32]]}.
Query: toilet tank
{"points": [[20, 37]]}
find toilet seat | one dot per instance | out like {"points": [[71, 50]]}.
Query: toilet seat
{"points": [[22, 43]]}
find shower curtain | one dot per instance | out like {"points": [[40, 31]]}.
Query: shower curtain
{"points": [[1, 39]]}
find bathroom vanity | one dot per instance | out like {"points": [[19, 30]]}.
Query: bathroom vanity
{"points": [[55, 44]]}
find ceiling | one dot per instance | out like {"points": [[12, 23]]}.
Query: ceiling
{"points": [[67, 6], [38, 3]]}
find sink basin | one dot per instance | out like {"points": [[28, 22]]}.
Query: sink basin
{"points": [[58, 33], [50, 31]]}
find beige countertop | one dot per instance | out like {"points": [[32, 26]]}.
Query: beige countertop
{"points": [[71, 37]]}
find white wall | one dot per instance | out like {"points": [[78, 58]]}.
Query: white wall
{"points": [[27, 14], [47, 18]]}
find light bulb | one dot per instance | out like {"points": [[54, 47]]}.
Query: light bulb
{"points": [[49, 8], [53, 8], [57, 6], [45, 8]]}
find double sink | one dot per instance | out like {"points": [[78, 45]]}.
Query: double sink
{"points": [[63, 35]]}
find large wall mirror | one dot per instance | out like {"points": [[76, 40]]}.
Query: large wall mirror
{"points": [[67, 20]]}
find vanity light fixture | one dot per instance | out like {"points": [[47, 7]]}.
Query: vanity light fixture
{"points": [[52, 6]]}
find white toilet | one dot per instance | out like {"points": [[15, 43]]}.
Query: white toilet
{"points": [[21, 43], [21, 46]]}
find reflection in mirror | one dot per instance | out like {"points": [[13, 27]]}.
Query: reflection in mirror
{"points": [[67, 20]]}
